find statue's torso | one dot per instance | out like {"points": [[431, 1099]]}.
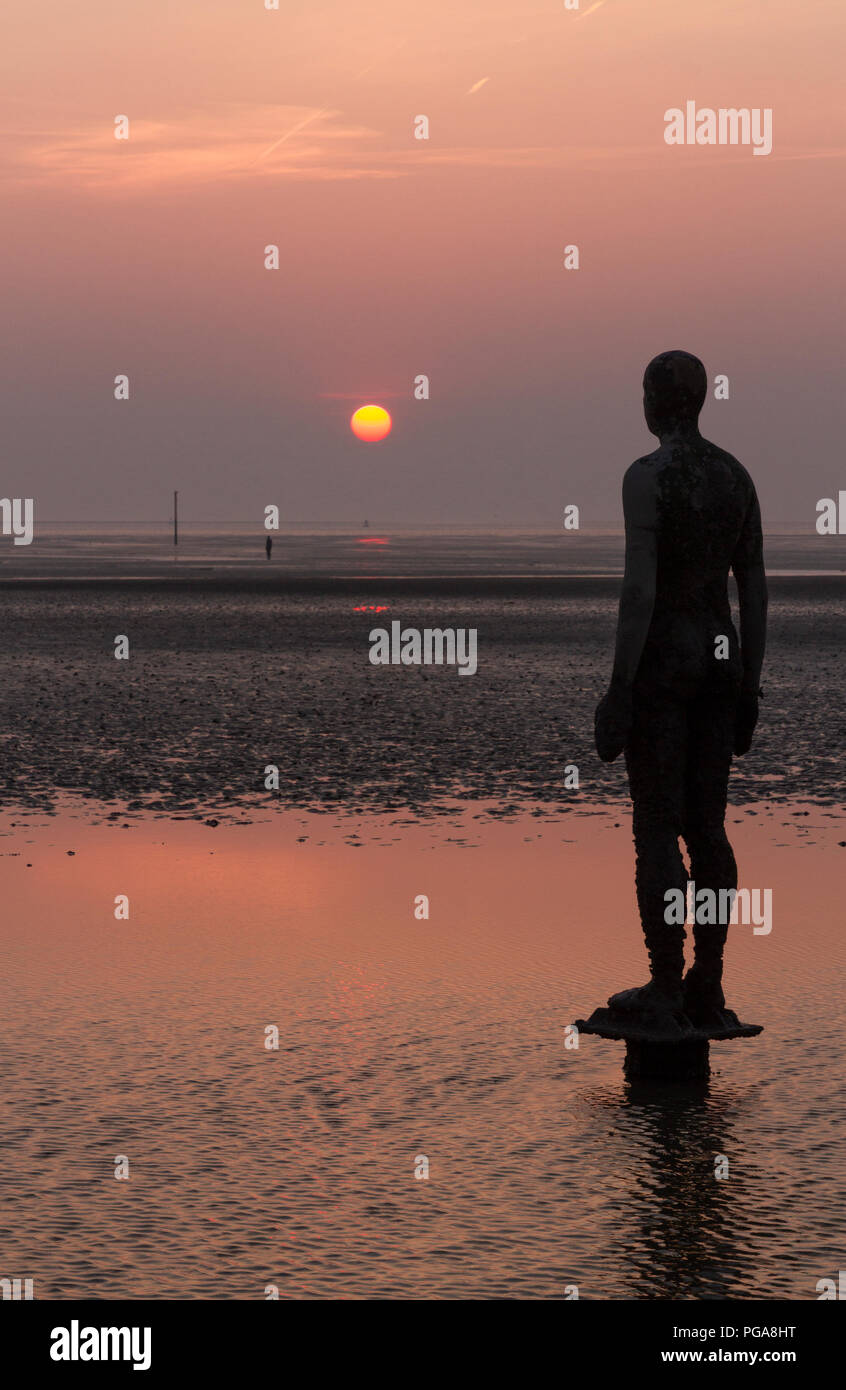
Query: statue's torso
{"points": [[703, 500]]}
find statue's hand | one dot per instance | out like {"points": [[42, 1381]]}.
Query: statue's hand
{"points": [[745, 719], [612, 723]]}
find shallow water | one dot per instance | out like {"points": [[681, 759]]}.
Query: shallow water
{"points": [[398, 1038], [84, 551]]}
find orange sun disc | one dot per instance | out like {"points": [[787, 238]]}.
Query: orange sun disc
{"points": [[370, 423]]}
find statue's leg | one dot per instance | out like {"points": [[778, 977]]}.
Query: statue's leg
{"points": [[655, 761], [712, 862]]}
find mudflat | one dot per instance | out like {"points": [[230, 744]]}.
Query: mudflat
{"points": [[229, 674]]}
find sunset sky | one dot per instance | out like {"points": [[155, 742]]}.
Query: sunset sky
{"points": [[401, 256]]}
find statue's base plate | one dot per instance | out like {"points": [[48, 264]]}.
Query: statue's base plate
{"points": [[662, 1028], [666, 1047]]}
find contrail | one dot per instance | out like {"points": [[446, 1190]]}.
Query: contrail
{"points": [[477, 85], [593, 7], [288, 133], [381, 58]]}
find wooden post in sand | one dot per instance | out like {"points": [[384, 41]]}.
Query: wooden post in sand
{"points": [[175, 519]]}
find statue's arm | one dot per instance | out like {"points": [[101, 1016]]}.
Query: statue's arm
{"points": [[748, 569], [637, 599], [613, 717]]}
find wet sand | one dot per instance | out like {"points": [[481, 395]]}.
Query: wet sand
{"points": [[230, 674], [397, 1036], [400, 1037]]}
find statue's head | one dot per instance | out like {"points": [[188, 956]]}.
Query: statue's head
{"points": [[674, 389]]}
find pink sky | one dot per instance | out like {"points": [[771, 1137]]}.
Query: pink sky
{"points": [[399, 257]]}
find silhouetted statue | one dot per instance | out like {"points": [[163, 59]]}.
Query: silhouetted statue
{"points": [[684, 692], [268, 546]]}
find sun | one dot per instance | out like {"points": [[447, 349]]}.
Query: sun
{"points": [[370, 423]]}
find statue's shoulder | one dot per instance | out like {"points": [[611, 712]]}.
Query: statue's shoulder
{"points": [[642, 475], [640, 492], [730, 464]]}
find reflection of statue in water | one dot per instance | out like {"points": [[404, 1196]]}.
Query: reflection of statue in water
{"points": [[685, 1233], [681, 700]]}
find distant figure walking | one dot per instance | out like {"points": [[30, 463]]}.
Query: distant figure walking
{"points": [[684, 692], [268, 546]]}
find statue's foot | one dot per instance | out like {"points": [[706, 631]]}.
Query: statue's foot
{"points": [[653, 998], [704, 1001]]}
